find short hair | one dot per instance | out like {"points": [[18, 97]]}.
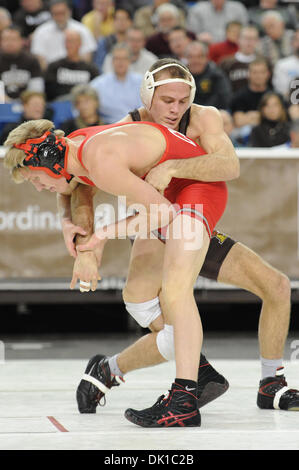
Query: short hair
{"points": [[125, 8], [14, 157], [28, 94], [73, 31], [179, 28], [135, 28], [233, 23], [172, 71], [203, 44], [120, 45], [54, 2], [167, 8], [260, 60], [83, 90], [13, 27], [189, 34], [249, 26], [272, 14]]}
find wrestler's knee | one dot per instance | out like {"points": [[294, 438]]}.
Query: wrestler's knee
{"points": [[244, 268], [174, 289], [139, 291], [130, 293], [277, 286], [141, 286]]}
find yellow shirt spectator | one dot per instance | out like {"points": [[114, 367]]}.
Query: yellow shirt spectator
{"points": [[100, 20]]}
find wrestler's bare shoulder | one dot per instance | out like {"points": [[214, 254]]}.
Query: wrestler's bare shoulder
{"points": [[202, 118], [143, 113], [128, 142], [129, 132]]}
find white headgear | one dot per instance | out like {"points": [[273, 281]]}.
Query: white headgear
{"points": [[148, 84]]}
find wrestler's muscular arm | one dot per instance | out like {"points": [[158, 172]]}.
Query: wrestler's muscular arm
{"points": [[82, 212], [77, 218], [69, 228], [76, 213], [79, 209], [221, 162]]}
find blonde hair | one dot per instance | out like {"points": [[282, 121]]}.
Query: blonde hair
{"points": [[28, 94], [83, 90], [14, 157]]}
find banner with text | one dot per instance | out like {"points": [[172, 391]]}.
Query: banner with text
{"points": [[262, 213]]}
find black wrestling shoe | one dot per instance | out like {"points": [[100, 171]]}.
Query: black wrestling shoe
{"points": [[96, 382], [274, 393], [178, 408], [210, 384]]}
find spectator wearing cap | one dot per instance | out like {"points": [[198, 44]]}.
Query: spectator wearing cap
{"points": [[48, 39]]}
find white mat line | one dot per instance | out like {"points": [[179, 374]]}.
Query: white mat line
{"points": [[159, 431], [27, 432]]}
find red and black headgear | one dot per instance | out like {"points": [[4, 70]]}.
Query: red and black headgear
{"points": [[47, 153]]}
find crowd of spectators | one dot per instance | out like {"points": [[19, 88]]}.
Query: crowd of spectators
{"points": [[92, 54]]}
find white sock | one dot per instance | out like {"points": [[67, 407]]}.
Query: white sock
{"points": [[115, 370], [269, 366]]}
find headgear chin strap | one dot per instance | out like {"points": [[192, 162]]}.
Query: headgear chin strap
{"points": [[148, 84], [47, 153]]}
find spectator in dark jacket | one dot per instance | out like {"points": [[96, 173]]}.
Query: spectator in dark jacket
{"points": [[212, 86], [274, 127], [245, 101], [168, 17], [19, 70], [62, 75], [30, 15]]}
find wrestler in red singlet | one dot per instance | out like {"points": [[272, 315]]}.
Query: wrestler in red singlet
{"points": [[186, 193]]}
